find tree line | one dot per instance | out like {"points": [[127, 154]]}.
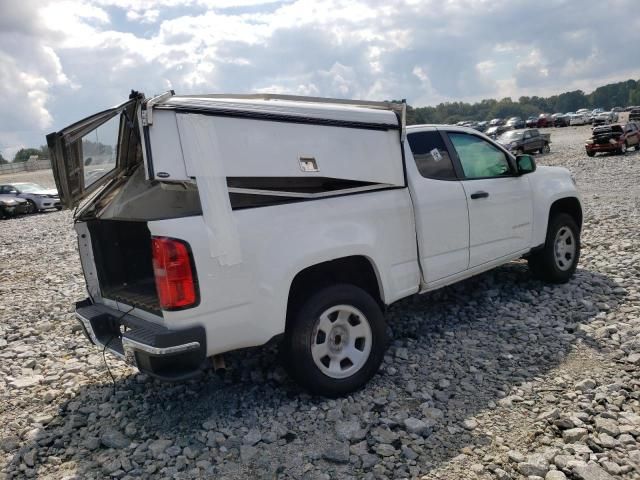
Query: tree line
{"points": [[620, 94]]}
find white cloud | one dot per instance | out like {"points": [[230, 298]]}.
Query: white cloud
{"points": [[145, 16], [62, 60]]}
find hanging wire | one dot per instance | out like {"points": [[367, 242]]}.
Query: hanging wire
{"points": [[113, 337]]}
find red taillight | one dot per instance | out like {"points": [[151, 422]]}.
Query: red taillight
{"points": [[174, 276]]}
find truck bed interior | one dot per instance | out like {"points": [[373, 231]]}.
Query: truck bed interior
{"points": [[122, 254]]}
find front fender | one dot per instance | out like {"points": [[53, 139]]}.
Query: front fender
{"points": [[549, 184]]}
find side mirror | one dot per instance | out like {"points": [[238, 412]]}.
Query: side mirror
{"points": [[525, 164]]}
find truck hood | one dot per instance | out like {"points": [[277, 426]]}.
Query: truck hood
{"points": [[558, 171]]}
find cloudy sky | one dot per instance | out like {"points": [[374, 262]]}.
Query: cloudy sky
{"points": [[62, 60]]}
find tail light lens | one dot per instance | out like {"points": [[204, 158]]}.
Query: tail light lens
{"points": [[175, 281]]}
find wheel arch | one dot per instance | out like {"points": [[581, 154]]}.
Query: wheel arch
{"points": [[358, 270], [568, 205]]}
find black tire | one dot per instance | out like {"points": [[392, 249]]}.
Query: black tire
{"points": [[549, 266], [623, 148], [34, 207], [304, 330], [545, 148], [590, 154], [59, 208]]}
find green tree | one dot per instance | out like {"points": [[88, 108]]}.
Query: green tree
{"points": [[608, 96], [23, 154], [2, 160]]}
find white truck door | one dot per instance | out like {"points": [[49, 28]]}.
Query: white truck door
{"points": [[440, 205], [500, 201]]}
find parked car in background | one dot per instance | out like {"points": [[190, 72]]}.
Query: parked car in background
{"points": [[525, 141], [494, 122], [482, 126], [583, 111], [531, 122], [604, 118], [617, 109], [634, 115], [544, 120], [578, 119], [594, 113], [560, 120], [515, 123], [11, 206], [613, 138], [39, 197], [495, 131]]}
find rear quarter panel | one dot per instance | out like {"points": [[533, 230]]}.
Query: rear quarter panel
{"points": [[244, 304]]}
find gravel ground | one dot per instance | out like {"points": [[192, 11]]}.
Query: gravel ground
{"points": [[499, 376]]}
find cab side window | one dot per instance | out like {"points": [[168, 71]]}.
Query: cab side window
{"points": [[479, 158], [431, 155]]}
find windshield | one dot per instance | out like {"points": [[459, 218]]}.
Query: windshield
{"points": [[510, 136], [29, 187]]}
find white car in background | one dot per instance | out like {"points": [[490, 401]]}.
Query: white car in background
{"points": [[39, 197], [578, 119]]}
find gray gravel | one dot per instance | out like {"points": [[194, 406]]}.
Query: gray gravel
{"points": [[497, 377]]}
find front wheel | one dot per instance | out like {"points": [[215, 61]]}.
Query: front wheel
{"points": [[336, 340], [590, 153], [33, 208], [558, 260], [545, 148]]}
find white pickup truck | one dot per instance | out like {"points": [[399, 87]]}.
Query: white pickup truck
{"points": [[213, 223]]}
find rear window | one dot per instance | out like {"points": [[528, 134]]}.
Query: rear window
{"points": [[431, 155]]}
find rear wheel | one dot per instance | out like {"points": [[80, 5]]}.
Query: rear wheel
{"points": [[558, 260], [590, 154], [336, 340]]}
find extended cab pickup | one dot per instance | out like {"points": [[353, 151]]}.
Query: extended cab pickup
{"points": [[212, 223], [525, 141]]}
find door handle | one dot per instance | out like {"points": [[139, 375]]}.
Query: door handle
{"points": [[479, 195]]}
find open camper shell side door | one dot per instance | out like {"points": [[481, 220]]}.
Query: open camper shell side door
{"points": [[88, 154]]}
